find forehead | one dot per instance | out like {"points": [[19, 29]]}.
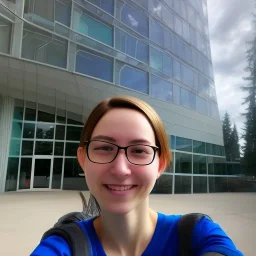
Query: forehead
{"points": [[123, 122]]}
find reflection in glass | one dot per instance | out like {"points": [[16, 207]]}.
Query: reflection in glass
{"points": [[161, 89], [172, 142], [163, 185], [16, 129], [44, 131], [30, 112], [71, 148], [183, 144], [62, 13], [95, 66], [46, 113], [167, 65], [29, 130], [74, 118], [176, 70], [199, 147], [199, 184], [14, 147], [43, 148], [61, 116], [5, 35], [176, 94], [156, 32], [107, 5], [57, 171], [42, 169], [12, 174], [18, 110], [73, 133], [183, 163], [60, 132], [25, 173], [218, 184], [59, 148], [73, 175], [27, 148], [199, 164], [182, 184], [156, 59]]}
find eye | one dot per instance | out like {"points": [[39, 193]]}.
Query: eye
{"points": [[104, 148]]}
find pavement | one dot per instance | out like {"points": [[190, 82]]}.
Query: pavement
{"points": [[25, 216]]}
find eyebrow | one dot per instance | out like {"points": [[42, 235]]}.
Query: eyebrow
{"points": [[111, 139]]}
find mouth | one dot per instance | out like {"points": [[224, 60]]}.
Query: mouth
{"points": [[119, 187]]}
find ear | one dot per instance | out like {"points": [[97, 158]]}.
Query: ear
{"points": [[81, 157]]}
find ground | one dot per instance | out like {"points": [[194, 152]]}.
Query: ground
{"points": [[26, 216]]}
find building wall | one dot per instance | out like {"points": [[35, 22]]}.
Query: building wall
{"points": [[63, 55]]}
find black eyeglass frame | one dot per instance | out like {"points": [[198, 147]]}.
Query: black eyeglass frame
{"points": [[155, 148]]}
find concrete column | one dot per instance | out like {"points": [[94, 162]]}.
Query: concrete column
{"points": [[17, 29], [6, 116]]}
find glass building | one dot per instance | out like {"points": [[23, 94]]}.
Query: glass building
{"points": [[59, 58]]}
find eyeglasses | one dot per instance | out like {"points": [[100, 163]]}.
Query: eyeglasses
{"points": [[102, 152]]}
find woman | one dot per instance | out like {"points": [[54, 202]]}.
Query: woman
{"points": [[123, 151]]}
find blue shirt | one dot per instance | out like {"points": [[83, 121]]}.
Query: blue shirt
{"points": [[207, 237]]}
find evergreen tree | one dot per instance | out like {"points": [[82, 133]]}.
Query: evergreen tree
{"points": [[226, 127], [249, 149], [234, 143]]}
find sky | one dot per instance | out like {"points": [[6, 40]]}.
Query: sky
{"points": [[230, 27]]}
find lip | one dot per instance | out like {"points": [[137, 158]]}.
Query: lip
{"points": [[120, 192]]}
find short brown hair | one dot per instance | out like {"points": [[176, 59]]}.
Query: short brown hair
{"points": [[131, 103]]}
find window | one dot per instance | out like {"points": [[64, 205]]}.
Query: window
{"points": [[156, 8], [178, 26], [172, 142], [176, 70], [199, 184], [182, 184], [191, 15], [183, 144], [183, 9], [161, 89], [192, 99], [168, 65], [93, 65], [62, 13], [156, 33], [199, 164], [185, 31], [45, 48], [5, 35], [201, 105], [168, 40], [163, 185], [187, 75], [196, 81], [176, 94], [183, 163], [193, 37], [86, 25], [131, 46], [106, 5], [199, 147], [185, 98], [156, 59], [135, 20], [188, 53], [134, 79]]}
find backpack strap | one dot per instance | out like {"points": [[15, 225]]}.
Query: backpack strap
{"points": [[186, 225], [74, 236]]}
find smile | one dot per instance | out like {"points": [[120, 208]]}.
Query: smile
{"points": [[119, 187]]}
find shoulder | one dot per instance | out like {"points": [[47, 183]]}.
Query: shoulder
{"points": [[208, 237]]}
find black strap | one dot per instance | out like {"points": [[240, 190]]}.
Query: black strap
{"points": [[185, 231], [74, 236]]}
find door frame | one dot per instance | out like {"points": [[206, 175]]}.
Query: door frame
{"points": [[33, 172]]}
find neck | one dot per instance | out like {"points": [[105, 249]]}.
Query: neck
{"points": [[127, 234]]}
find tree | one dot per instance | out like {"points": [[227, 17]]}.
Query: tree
{"points": [[249, 149], [226, 127], [234, 143]]}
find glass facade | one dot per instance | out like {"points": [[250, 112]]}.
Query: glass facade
{"points": [[160, 49]]}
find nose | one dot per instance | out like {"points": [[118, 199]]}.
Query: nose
{"points": [[120, 166]]}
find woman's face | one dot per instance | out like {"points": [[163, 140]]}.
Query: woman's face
{"points": [[121, 186]]}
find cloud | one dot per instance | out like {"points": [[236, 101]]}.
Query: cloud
{"points": [[230, 27]]}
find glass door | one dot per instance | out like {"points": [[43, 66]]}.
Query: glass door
{"points": [[41, 172]]}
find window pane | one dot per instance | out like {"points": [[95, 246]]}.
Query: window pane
{"points": [[199, 147], [161, 89], [71, 148], [199, 184], [199, 164], [173, 142], [183, 144], [192, 98], [106, 5], [142, 52], [94, 65], [183, 163], [43, 48], [18, 109], [187, 75], [29, 130], [156, 59], [182, 184], [46, 113], [156, 33], [134, 20], [59, 148], [44, 131], [16, 129], [168, 40], [74, 118], [218, 185], [167, 65], [12, 174], [176, 70], [163, 185], [134, 79], [93, 28], [14, 147], [25, 173], [44, 148], [62, 13], [184, 98], [30, 112], [27, 148], [185, 31], [5, 35], [176, 94], [57, 171], [178, 26], [60, 132], [74, 133]]}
